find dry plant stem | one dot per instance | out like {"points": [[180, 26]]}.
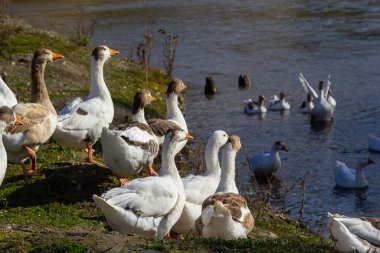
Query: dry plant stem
{"points": [[303, 180]]}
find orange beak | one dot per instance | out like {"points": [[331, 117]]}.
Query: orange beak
{"points": [[57, 56], [113, 52], [152, 98], [283, 147], [18, 121], [188, 136]]}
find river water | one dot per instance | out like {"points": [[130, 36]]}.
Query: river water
{"points": [[271, 41]]}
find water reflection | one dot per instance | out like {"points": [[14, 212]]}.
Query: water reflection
{"points": [[321, 127], [360, 194]]}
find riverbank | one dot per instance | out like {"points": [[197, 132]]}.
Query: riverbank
{"points": [[53, 212]]}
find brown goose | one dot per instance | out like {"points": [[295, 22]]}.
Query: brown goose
{"points": [[130, 147], [39, 117]]}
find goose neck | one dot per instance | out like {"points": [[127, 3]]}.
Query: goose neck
{"points": [[98, 87], [212, 161], [39, 92], [227, 181], [168, 166], [173, 111], [139, 116]]}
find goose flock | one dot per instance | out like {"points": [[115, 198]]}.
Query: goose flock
{"points": [[163, 204]]}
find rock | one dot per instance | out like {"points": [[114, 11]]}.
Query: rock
{"points": [[244, 81], [210, 86]]}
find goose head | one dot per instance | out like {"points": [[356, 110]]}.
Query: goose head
{"points": [[173, 138], [218, 138], [282, 95], [103, 53], [280, 146], [176, 86], [41, 56], [142, 98], [364, 162], [7, 118], [233, 143]]}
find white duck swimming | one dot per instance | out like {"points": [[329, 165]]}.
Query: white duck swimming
{"points": [[80, 123], [199, 187], [7, 98], [131, 146], [360, 235], [7, 118], [278, 104], [374, 142], [352, 178], [251, 107], [225, 214], [39, 117], [267, 163], [149, 206], [307, 105], [174, 117], [322, 111]]}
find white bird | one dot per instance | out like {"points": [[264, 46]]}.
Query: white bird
{"points": [[267, 163], [7, 98], [225, 214], [278, 104], [251, 107], [329, 96], [352, 178], [174, 117], [322, 111], [149, 206], [7, 118], [307, 105], [39, 117], [80, 123], [374, 142], [130, 147], [199, 187], [350, 234]]}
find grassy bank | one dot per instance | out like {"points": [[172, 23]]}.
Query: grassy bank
{"points": [[53, 212]]}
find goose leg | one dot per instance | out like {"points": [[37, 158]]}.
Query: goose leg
{"points": [[33, 163], [90, 158], [151, 171]]}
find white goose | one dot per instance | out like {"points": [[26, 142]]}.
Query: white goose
{"points": [[251, 107], [352, 178], [267, 163], [80, 123], [7, 98], [225, 214], [374, 142], [360, 235], [39, 117], [322, 111], [174, 117], [199, 187], [307, 105], [149, 206], [7, 118], [278, 104], [329, 96], [131, 146]]}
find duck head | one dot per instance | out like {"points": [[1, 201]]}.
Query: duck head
{"points": [[280, 146]]}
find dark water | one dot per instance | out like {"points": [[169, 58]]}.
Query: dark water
{"points": [[271, 41]]}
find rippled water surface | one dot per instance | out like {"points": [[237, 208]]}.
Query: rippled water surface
{"points": [[271, 41]]}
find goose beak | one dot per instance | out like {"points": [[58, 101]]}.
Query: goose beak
{"points": [[188, 136], [152, 98], [18, 121], [283, 147], [113, 52], [56, 56], [370, 161]]}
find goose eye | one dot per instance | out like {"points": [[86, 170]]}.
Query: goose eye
{"points": [[104, 48]]}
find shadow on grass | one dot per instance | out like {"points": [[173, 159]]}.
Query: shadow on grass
{"points": [[64, 184]]}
